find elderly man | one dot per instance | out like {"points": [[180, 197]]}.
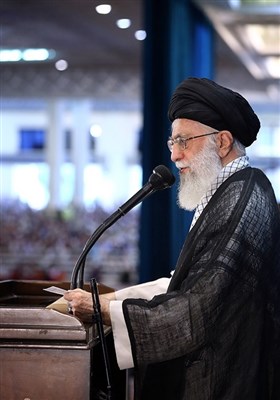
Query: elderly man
{"points": [[211, 331]]}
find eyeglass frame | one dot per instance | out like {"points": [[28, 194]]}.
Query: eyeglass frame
{"points": [[182, 142]]}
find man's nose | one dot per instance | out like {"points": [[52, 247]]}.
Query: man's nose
{"points": [[177, 153]]}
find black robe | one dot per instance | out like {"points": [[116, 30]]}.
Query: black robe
{"points": [[215, 334]]}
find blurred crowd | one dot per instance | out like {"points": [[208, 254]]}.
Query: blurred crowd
{"points": [[44, 245]]}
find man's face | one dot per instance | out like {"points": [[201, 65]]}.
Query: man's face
{"points": [[199, 163]]}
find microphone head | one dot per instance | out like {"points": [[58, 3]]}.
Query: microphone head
{"points": [[161, 178]]}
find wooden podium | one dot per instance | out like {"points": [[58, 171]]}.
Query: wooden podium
{"points": [[49, 355]]}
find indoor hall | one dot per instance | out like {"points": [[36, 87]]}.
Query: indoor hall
{"points": [[84, 100]]}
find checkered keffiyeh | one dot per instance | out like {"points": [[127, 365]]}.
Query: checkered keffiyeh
{"points": [[234, 166]]}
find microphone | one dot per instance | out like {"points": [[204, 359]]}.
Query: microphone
{"points": [[161, 178]]}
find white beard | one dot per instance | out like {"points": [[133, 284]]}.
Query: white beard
{"points": [[203, 170]]}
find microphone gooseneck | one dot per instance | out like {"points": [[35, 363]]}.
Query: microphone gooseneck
{"points": [[161, 178]]}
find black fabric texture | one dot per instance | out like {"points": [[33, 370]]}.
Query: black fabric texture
{"points": [[215, 334], [205, 101]]}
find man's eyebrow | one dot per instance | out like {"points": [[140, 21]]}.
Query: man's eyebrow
{"points": [[181, 135]]}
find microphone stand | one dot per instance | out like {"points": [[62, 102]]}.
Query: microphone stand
{"points": [[78, 270], [161, 178], [97, 319]]}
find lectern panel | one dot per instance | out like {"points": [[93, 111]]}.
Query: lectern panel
{"points": [[44, 374]]}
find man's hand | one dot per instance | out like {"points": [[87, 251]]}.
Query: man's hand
{"points": [[80, 302]]}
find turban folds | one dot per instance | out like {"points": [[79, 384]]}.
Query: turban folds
{"points": [[205, 101]]}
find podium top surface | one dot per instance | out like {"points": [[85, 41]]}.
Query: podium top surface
{"points": [[25, 320]]}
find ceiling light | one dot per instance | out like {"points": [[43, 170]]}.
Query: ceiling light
{"points": [[123, 23], [140, 35], [13, 55], [273, 66], [234, 3], [10, 55], [103, 8], [61, 65], [35, 55], [264, 38]]}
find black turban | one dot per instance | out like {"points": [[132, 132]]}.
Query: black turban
{"points": [[205, 101]]}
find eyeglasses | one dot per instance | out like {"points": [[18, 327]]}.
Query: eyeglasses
{"points": [[182, 142]]}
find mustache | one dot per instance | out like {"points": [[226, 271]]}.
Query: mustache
{"points": [[180, 165]]}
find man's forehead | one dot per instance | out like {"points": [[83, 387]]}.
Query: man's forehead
{"points": [[183, 126]]}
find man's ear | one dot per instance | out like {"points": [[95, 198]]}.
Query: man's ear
{"points": [[225, 142]]}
